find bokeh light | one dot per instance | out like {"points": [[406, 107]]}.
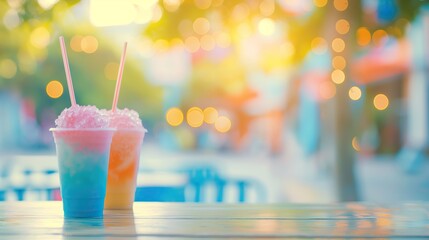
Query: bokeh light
{"points": [[240, 11], [14, 3], [379, 36], [338, 76], [355, 93], [207, 42], [195, 117], [192, 44], [320, 3], [47, 4], [341, 5], [327, 90], [342, 26], [111, 13], [319, 45], [210, 115], [157, 13], [266, 26], [216, 3], [338, 45], [355, 144], [267, 7], [203, 4], [339, 62], [171, 5], [363, 36], [201, 26], [174, 116], [111, 70], [381, 102], [223, 124], [76, 42], [54, 89], [11, 19], [89, 44], [8, 68], [39, 37]]}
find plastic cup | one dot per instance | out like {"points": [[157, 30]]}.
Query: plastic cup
{"points": [[123, 168], [83, 158]]}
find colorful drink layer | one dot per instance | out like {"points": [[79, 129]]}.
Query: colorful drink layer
{"points": [[83, 139], [124, 158]]}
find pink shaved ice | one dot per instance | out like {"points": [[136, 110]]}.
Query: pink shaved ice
{"points": [[124, 118], [82, 117]]}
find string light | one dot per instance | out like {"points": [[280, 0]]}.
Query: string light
{"points": [[341, 5], [355, 93], [381, 102], [320, 3], [174, 117], [339, 62], [210, 115], [89, 44], [338, 45], [363, 36], [223, 124], [54, 89], [342, 26], [379, 36], [195, 117], [338, 76]]}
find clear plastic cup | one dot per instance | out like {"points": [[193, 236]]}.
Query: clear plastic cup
{"points": [[123, 168], [83, 158]]}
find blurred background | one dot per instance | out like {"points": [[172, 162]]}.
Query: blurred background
{"points": [[245, 101]]}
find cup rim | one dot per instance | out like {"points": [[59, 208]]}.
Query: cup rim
{"points": [[82, 129], [134, 129]]}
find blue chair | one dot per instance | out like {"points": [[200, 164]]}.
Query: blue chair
{"points": [[203, 176], [160, 194], [2, 195], [200, 178]]}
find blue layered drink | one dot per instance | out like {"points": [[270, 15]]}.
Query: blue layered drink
{"points": [[83, 140]]}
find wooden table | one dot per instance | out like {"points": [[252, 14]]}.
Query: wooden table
{"points": [[44, 220]]}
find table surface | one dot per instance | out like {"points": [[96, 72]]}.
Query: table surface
{"points": [[44, 220]]}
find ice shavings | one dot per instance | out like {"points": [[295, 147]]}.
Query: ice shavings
{"points": [[124, 118], [82, 117]]}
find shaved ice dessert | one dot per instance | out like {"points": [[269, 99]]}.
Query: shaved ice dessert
{"points": [[124, 158], [124, 118], [83, 139], [82, 117]]}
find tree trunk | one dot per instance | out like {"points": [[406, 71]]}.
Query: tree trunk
{"points": [[344, 158]]}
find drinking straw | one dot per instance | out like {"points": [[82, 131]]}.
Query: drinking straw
{"points": [[67, 69], [119, 78]]}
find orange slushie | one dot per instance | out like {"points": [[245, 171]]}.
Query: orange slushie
{"points": [[123, 168]]}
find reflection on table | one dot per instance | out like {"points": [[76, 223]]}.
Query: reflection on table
{"points": [[188, 220]]}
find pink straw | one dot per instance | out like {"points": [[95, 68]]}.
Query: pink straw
{"points": [[119, 79], [67, 69]]}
